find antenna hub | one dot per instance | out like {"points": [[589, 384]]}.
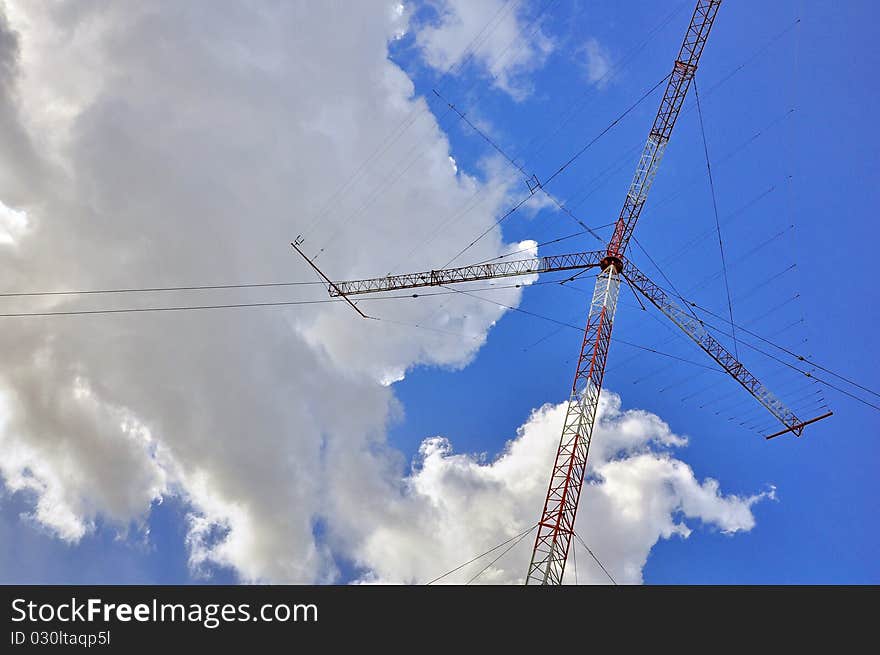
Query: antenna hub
{"points": [[611, 260]]}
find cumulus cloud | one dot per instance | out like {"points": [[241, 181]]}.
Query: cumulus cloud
{"points": [[496, 36], [174, 143], [171, 143], [453, 506], [117, 479]]}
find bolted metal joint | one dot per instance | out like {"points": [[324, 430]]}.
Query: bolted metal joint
{"points": [[685, 69], [611, 260]]}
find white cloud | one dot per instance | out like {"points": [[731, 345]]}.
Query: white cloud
{"points": [[13, 224], [598, 63], [99, 460], [454, 506], [493, 34], [199, 160], [169, 143]]}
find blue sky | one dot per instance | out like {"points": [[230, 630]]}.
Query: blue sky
{"points": [[820, 530], [792, 188]]}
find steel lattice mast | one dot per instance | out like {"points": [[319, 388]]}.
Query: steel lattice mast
{"points": [[556, 527], [670, 107]]}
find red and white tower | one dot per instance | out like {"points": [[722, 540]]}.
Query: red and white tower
{"points": [[556, 527]]}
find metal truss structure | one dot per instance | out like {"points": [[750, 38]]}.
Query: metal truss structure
{"points": [[566, 479], [556, 526], [475, 272], [670, 107], [693, 327]]}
